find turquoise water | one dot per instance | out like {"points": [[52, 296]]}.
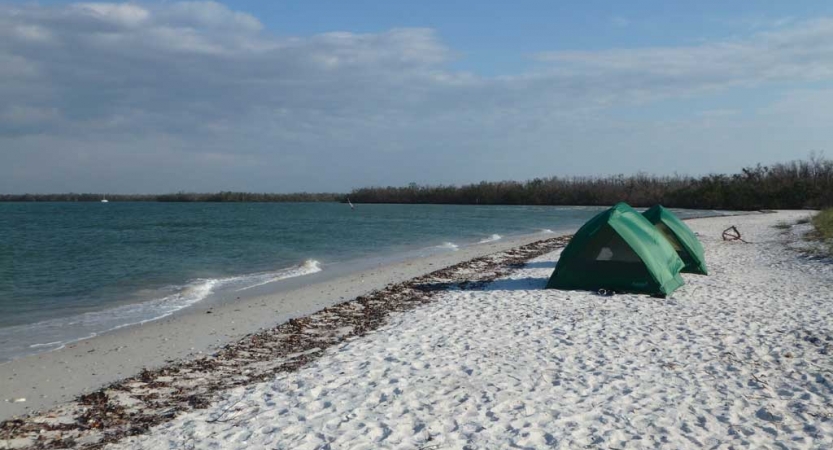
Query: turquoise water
{"points": [[73, 270]]}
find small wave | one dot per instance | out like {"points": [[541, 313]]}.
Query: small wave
{"points": [[492, 238], [142, 313], [56, 333], [48, 344], [547, 230], [308, 267], [60, 332], [449, 246]]}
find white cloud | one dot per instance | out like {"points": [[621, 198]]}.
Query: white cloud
{"points": [[211, 15], [14, 67], [173, 83], [127, 14], [756, 22], [800, 53], [620, 21], [27, 114], [32, 33], [718, 113]]}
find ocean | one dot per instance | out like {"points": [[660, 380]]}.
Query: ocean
{"points": [[70, 271]]}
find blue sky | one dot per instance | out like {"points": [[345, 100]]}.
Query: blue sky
{"points": [[328, 96], [513, 30]]}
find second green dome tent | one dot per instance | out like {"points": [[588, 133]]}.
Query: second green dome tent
{"points": [[622, 250]]}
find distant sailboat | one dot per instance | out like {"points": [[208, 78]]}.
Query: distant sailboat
{"points": [[104, 199], [351, 204]]}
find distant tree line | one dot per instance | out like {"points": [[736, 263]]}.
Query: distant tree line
{"points": [[793, 185], [250, 197], [177, 197]]}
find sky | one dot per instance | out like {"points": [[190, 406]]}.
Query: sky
{"points": [[327, 96]]}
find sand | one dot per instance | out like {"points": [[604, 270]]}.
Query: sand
{"points": [[738, 359], [48, 379]]}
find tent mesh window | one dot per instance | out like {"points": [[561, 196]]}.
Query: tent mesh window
{"points": [[606, 246], [609, 253]]}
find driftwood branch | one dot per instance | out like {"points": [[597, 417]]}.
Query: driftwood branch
{"points": [[732, 234]]}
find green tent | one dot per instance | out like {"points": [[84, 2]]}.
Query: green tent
{"points": [[680, 237], [618, 250]]}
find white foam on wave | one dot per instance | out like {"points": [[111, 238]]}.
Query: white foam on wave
{"points": [[308, 267], [547, 230], [48, 344], [164, 307], [56, 333], [492, 238], [449, 246]]}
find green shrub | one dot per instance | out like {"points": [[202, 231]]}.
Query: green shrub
{"points": [[823, 224]]}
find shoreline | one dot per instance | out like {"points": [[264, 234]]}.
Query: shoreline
{"points": [[51, 378], [221, 290], [158, 302]]}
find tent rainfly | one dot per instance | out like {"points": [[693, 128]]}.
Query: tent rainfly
{"points": [[618, 250], [680, 236]]}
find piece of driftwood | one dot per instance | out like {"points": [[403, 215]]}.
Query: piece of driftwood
{"points": [[732, 234]]}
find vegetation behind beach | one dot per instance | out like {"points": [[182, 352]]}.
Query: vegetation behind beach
{"points": [[823, 224], [793, 185]]}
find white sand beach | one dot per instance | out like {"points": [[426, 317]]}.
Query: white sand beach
{"points": [[738, 359]]}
